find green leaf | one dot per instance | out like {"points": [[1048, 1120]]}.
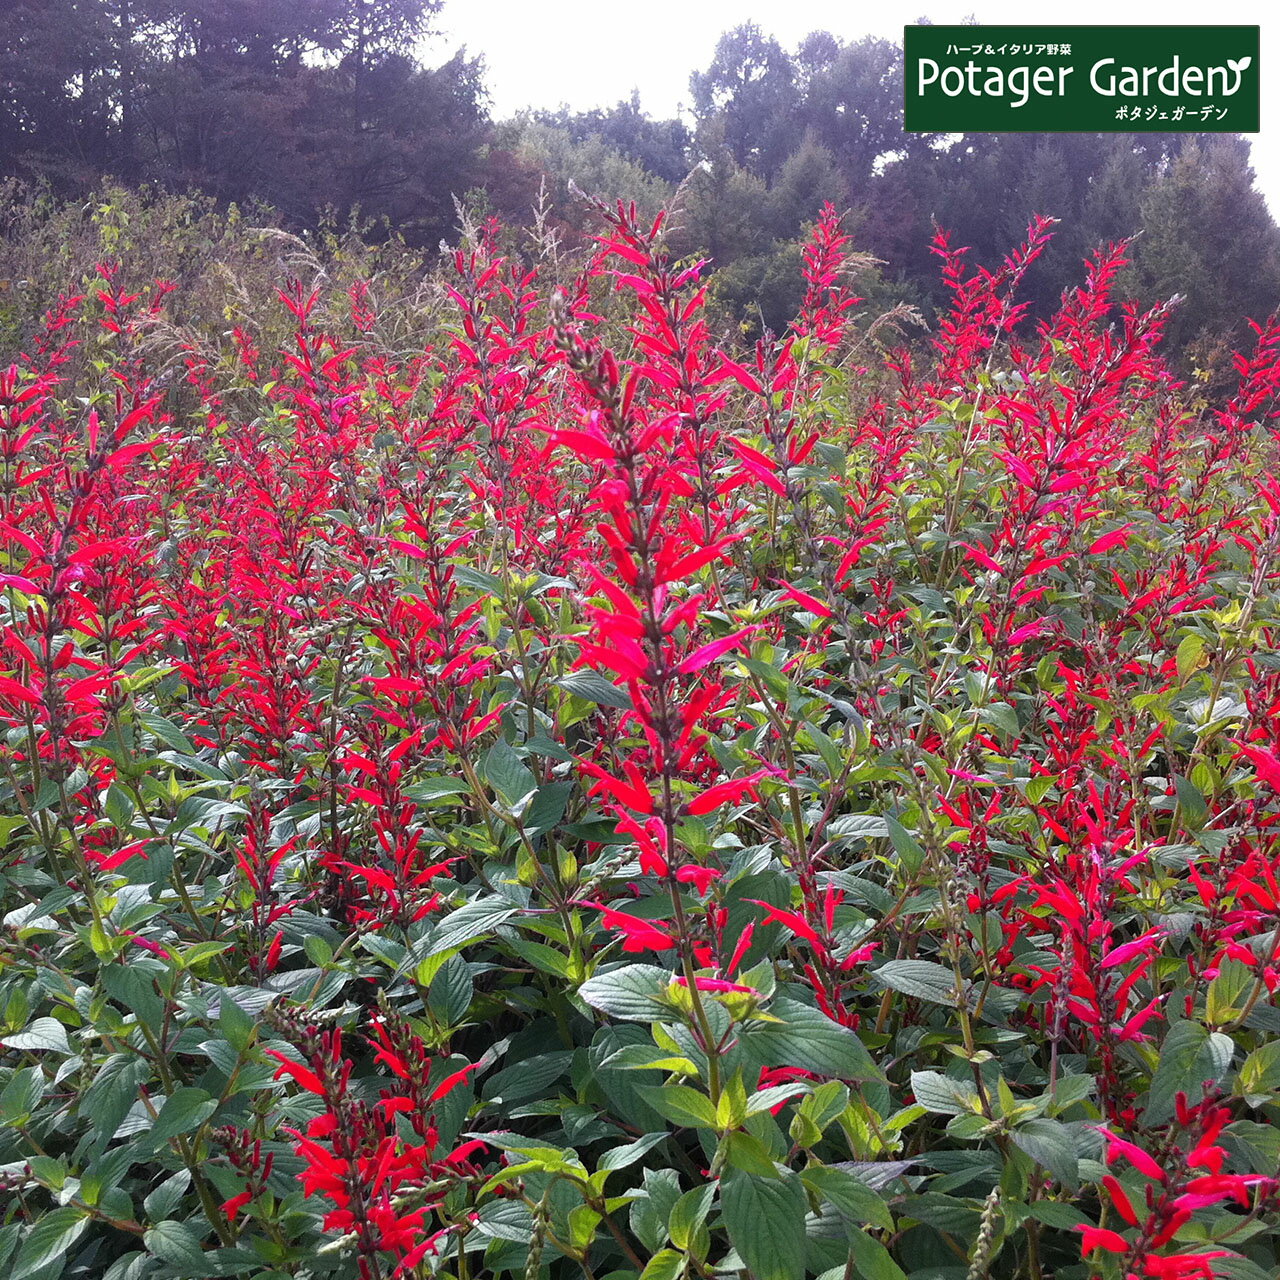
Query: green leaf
{"points": [[43, 1033], [689, 1213], [547, 807], [168, 733], [8, 1242], [919, 978], [856, 1202], [630, 992], [184, 1110], [825, 1104], [808, 1039], [541, 956], [629, 1153], [1053, 1213], [236, 1026], [450, 991], [592, 686], [1190, 1056], [1050, 1144], [506, 1220], [1003, 717], [905, 845], [161, 1202], [746, 1152], [765, 1221], [48, 1240], [583, 1221], [680, 1104], [203, 951], [1038, 787], [1234, 1267], [871, 1259], [648, 1057], [944, 1095], [114, 1090], [1190, 652], [858, 826], [527, 1078], [468, 923], [176, 1243], [436, 788], [478, 580], [1190, 799], [666, 1264], [1228, 991], [506, 773], [1259, 1076], [21, 1095]]}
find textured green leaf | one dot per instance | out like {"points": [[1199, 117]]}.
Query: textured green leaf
{"points": [[21, 1095], [919, 978], [942, 1094], [748, 1153], [858, 826], [872, 1260], [184, 1110], [506, 773], [629, 1152], [765, 1221], [666, 1264], [1050, 1144], [1190, 1057], [808, 1039], [592, 686], [856, 1202], [43, 1033], [176, 1243], [680, 1104], [48, 1240], [628, 992]]}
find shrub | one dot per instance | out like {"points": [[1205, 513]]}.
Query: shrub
{"points": [[556, 796]]}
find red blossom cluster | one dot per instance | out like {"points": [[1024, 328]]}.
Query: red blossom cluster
{"points": [[758, 665]]}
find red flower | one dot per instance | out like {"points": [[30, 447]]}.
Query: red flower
{"points": [[1101, 1238], [637, 934], [792, 919]]}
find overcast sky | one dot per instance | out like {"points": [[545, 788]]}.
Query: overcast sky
{"points": [[592, 53]]}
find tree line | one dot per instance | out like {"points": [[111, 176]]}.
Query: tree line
{"points": [[328, 105]]}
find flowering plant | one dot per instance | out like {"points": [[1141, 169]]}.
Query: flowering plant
{"points": [[506, 783]]}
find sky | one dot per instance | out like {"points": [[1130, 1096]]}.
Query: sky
{"points": [[592, 53]]}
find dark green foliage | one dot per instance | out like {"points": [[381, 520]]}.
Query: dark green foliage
{"points": [[303, 106], [323, 105]]}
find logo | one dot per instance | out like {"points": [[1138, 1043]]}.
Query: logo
{"points": [[973, 79]]}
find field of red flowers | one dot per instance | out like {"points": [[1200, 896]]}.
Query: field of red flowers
{"points": [[527, 791]]}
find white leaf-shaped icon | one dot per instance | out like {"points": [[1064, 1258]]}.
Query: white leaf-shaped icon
{"points": [[1239, 64]]}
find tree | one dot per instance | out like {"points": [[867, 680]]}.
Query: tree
{"points": [[55, 90], [750, 87], [661, 147], [303, 105], [722, 213], [1207, 234], [365, 34], [590, 163], [853, 103], [809, 178]]}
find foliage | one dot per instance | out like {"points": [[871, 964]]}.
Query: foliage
{"points": [[590, 164], [244, 101], [493, 783], [326, 111], [1207, 227]]}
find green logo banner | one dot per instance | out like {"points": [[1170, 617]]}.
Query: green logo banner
{"points": [[1064, 79]]}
